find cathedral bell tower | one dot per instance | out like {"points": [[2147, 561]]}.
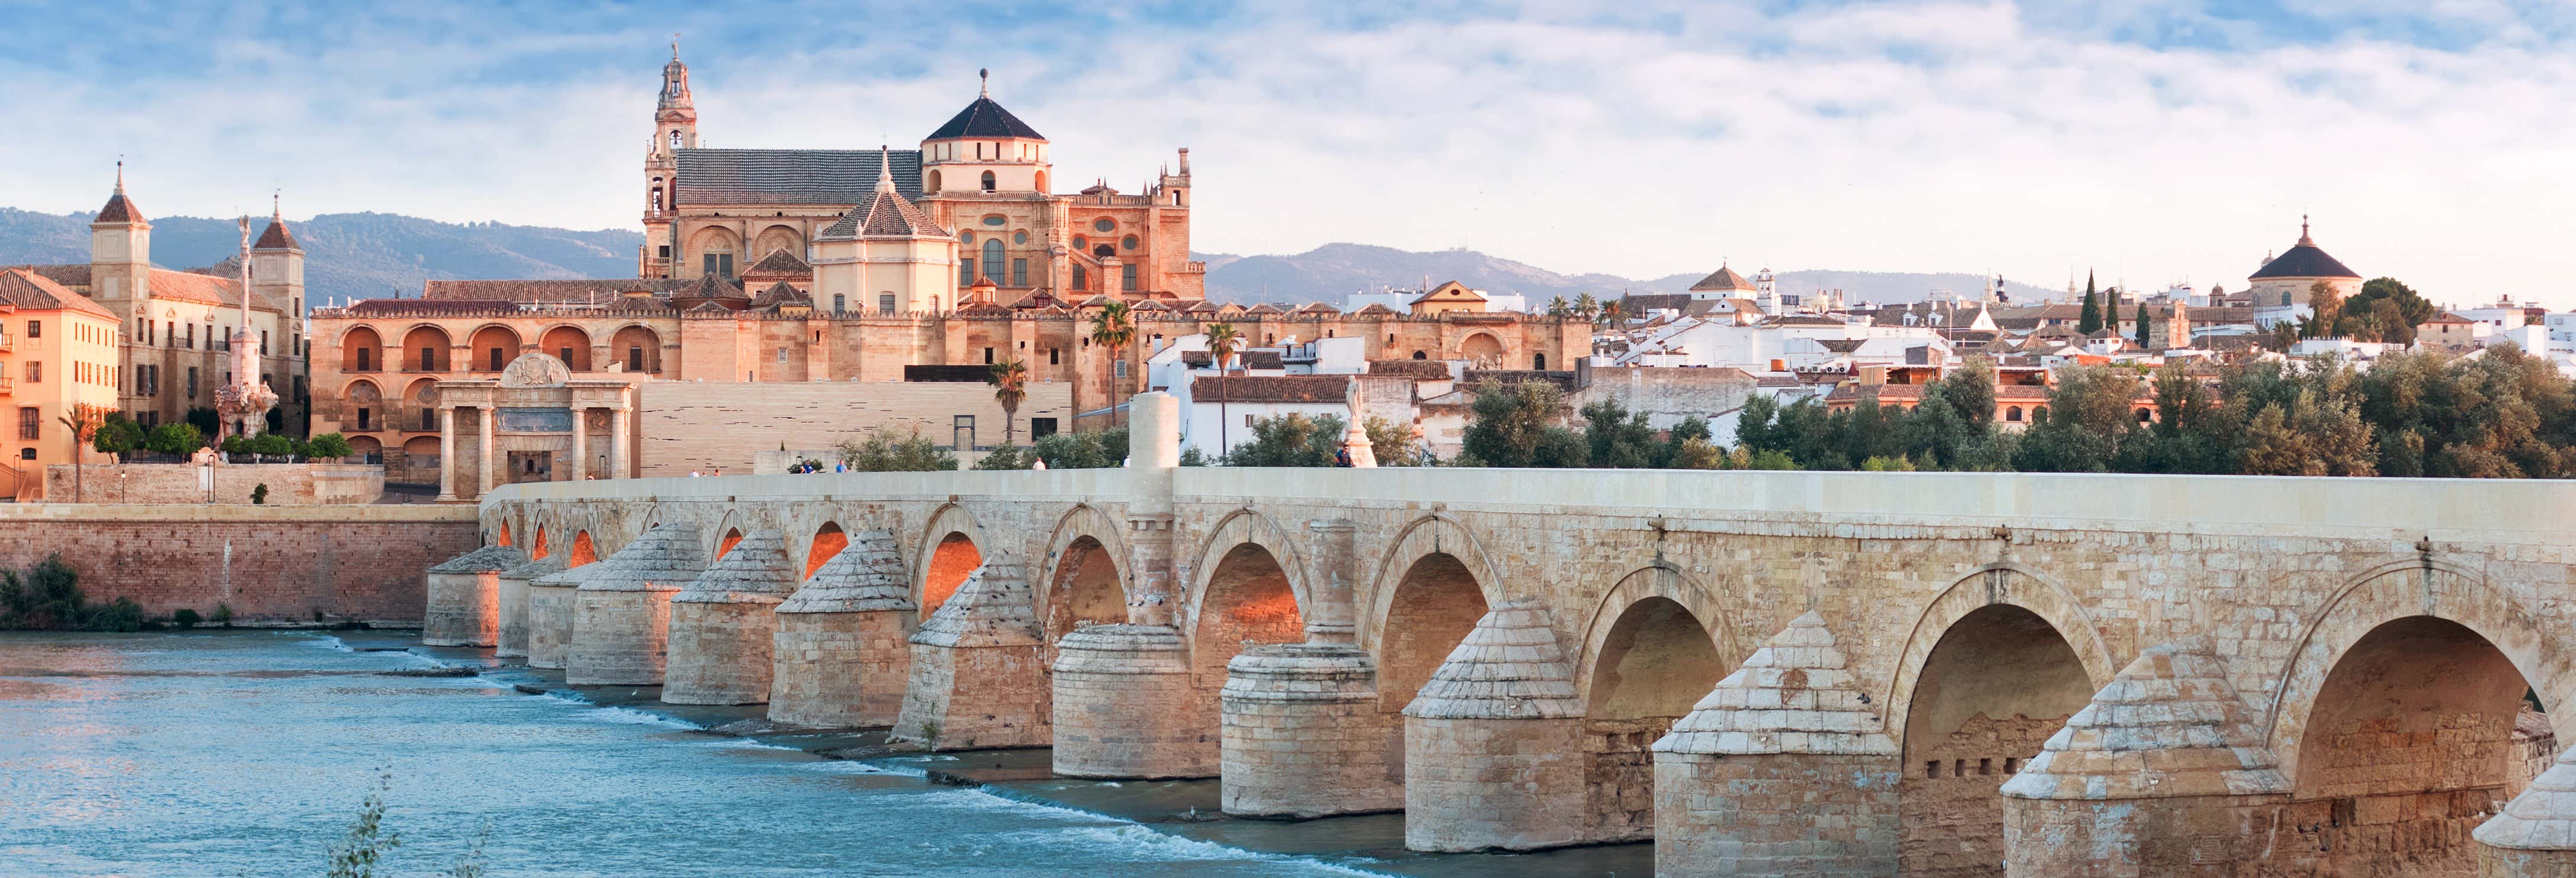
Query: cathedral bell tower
{"points": [[120, 254], [675, 127]]}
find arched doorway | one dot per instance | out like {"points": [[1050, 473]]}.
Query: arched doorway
{"points": [[637, 349], [1997, 684], [1657, 662], [418, 409], [582, 551], [366, 407], [1085, 590], [493, 347], [361, 350], [425, 350], [569, 344], [1482, 349], [949, 566], [2422, 729], [828, 541]]}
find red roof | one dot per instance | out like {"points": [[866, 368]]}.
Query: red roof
{"points": [[30, 291]]}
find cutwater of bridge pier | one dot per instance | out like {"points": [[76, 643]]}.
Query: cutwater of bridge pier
{"points": [[1765, 673]]}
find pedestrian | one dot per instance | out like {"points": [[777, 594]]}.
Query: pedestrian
{"points": [[1341, 457]]}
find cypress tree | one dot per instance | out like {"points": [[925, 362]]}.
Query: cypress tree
{"points": [[2091, 320], [2142, 324]]}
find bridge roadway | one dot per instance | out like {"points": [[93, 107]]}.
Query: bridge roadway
{"points": [[1787, 673]]}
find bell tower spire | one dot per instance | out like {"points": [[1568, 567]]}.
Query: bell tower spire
{"points": [[675, 128]]}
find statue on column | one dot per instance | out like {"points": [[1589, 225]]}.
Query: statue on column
{"points": [[1355, 440], [243, 403]]}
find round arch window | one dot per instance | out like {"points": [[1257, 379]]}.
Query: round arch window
{"points": [[966, 237], [1019, 237], [1105, 224], [1129, 244], [1081, 243]]}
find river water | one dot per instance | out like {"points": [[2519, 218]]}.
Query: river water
{"points": [[249, 753]]}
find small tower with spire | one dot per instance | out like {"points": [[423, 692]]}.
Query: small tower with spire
{"points": [[277, 270], [675, 128], [120, 253]]}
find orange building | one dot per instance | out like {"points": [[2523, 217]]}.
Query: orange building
{"points": [[58, 351]]}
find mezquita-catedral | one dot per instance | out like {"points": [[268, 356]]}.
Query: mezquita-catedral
{"points": [[865, 288]]}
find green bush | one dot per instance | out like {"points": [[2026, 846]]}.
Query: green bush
{"points": [[259, 494], [330, 445], [48, 597], [880, 452], [122, 614], [174, 438], [223, 614], [272, 444], [117, 434], [1007, 457], [1098, 449], [185, 618]]}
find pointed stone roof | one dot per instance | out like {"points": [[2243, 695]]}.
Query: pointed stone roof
{"points": [[570, 577], [2169, 724], [991, 609], [778, 294], [780, 261], [1509, 667], [1265, 308], [2543, 818], [984, 118], [709, 307], [276, 237], [712, 287], [1376, 309], [488, 559], [885, 214], [756, 571], [2303, 260], [1794, 695], [868, 576], [119, 209], [665, 558], [1724, 279]]}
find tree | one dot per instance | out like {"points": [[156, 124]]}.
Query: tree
{"points": [[1292, 439], [2325, 308], [2111, 310], [332, 445], [1007, 457], [2389, 310], [1586, 307], [1391, 443], [2142, 324], [1113, 328], [83, 421], [2090, 321], [1010, 380], [208, 421], [1514, 425], [117, 434], [1610, 312], [1223, 342], [1616, 439], [1556, 307], [882, 452], [176, 437]]}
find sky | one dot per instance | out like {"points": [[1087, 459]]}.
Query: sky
{"points": [[2151, 142]]}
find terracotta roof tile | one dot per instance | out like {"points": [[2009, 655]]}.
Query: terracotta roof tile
{"points": [[791, 176], [533, 291], [1270, 388], [30, 291]]}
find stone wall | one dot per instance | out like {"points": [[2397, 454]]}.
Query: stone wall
{"points": [[266, 562], [289, 484], [700, 426]]}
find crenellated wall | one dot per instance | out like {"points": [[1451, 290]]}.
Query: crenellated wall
{"points": [[1967, 616]]}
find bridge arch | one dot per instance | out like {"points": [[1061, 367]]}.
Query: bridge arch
{"points": [[1247, 589], [827, 540], [1086, 574], [583, 551], [951, 547], [1994, 665], [2394, 593], [1424, 537], [1657, 643]]}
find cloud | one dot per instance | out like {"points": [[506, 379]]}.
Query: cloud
{"points": [[2153, 141]]}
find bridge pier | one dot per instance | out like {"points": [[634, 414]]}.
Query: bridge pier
{"points": [[1303, 736], [514, 603], [724, 623], [2163, 773], [550, 603], [622, 614], [465, 598], [842, 650], [1493, 744], [1783, 769], [1125, 705], [978, 677], [2535, 837]]}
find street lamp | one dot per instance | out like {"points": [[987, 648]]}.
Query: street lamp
{"points": [[120, 484]]}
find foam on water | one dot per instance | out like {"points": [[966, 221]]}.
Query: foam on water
{"points": [[631, 716], [1142, 842], [748, 744], [988, 799], [326, 641]]}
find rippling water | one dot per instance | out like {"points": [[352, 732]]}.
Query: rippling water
{"points": [[249, 753]]}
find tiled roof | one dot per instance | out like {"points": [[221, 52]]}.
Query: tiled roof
{"points": [[1201, 306], [2304, 260], [641, 305], [791, 176], [1842, 345], [375, 307], [1723, 278], [181, 286], [1317, 308], [710, 307], [1270, 388], [30, 291], [885, 213], [780, 261], [1376, 309], [984, 118], [1265, 308], [276, 237], [1419, 370], [1562, 380], [712, 287], [778, 294], [67, 275], [1244, 360], [1638, 304], [118, 209], [545, 290]]}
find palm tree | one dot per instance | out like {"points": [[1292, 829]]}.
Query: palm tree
{"points": [[1113, 327], [82, 421], [1610, 312], [1010, 380], [1586, 306], [1223, 342], [1556, 307]]}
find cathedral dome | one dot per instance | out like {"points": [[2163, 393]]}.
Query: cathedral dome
{"points": [[2304, 260], [985, 120]]}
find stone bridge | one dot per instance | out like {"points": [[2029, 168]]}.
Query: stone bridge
{"points": [[1784, 673]]}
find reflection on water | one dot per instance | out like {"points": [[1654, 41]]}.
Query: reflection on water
{"points": [[248, 753]]}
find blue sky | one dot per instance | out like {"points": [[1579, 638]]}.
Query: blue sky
{"points": [[2152, 141]]}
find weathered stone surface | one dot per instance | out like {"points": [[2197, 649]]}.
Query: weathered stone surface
{"points": [[514, 603], [842, 651], [1303, 736], [1493, 758], [724, 624], [1123, 705], [622, 613], [550, 611], [2535, 837], [465, 598], [1784, 769], [978, 677]]}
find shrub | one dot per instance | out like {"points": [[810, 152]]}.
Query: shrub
{"points": [[329, 445], [1007, 457], [117, 434], [185, 618], [259, 494], [881, 452], [271, 444], [223, 614], [122, 614], [174, 438]]}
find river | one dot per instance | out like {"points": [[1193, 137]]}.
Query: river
{"points": [[249, 753]]}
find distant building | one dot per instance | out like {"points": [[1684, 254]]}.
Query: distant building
{"points": [[58, 351]]}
